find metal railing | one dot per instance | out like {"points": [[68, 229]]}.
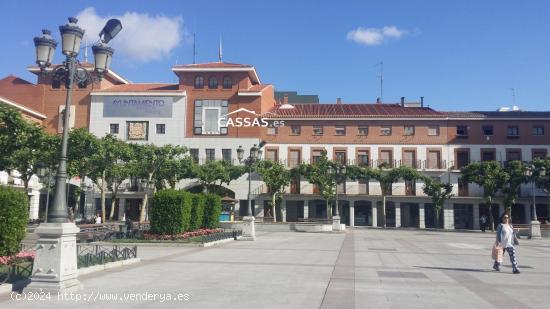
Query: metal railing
{"points": [[89, 255], [221, 236]]}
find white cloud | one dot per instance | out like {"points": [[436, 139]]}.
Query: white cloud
{"points": [[375, 36], [143, 37]]}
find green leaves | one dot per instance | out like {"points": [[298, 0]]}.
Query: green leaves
{"points": [[318, 174], [14, 215], [487, 174], [214, 171]]}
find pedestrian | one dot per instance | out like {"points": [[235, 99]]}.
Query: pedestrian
{"points": [[506, 238], [483, 223], [98, 219]]}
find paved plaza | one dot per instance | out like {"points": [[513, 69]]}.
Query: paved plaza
{"points": [[361, 268]]}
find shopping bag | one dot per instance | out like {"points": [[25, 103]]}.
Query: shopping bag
{"points": [[497, 253]]}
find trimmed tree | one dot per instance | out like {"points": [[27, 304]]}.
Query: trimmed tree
{"points": [[171, 212], [14, 215], [490, 176], [543, 181], [439, 192], [83, 147], [516, 177], [318, 174], [276, 177], [197, 211]]}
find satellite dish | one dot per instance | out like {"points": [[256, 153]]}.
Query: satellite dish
{"points": [[111, 29]]}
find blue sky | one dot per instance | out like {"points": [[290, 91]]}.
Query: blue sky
{"points": [[459, 55]]}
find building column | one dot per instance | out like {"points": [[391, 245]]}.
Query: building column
{"points": [[283, 210], [421, 216], [306, 209], [448, 216], [397, 214], [374, 214], [34, 204], [352, 213], [121, 208], [475, 211]]}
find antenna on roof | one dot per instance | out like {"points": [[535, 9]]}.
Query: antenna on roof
{"points": [[513, 90], [381, 80], [194, 48], [85, 50], [220, 50]]}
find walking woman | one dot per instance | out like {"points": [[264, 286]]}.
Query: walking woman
{"points": [[507, 239]]}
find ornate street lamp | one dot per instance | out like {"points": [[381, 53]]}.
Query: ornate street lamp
{"points": [[534, 226], [249, 232], [339, 173], [55, 266]]}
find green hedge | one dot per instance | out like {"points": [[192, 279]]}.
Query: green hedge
{"points": [[168, 212], [212, 211], [197, 212], [14, 216]]}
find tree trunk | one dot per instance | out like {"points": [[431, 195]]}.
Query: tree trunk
{"points": [[328, 209], [273, 208], [103, 189], [384, 211], [490, 201], [143, 211], [113, 203], [77, 205]]}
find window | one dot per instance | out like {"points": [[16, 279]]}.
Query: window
{"points": [[113, 128], [272, 155], [433, 130], [161, 128], [408, 130], [539, 154], [363, 158], [207, 114], [227, 82], [409, 158], [462, 158], [488, 155], [340, 130], [461, 131], [386, 158], [226, 155], [271, 130], [194, 154], [199, 82], [513, 155], [462, 187], [363, 130], [316, 155], [487, 130], [210, 154], [385, 130], [295, 130], [434, 159], [340, 157], [295, 185], [212, 83], [317, 130], [137, 130], [538, 130], [295, 158], [512, 131]]}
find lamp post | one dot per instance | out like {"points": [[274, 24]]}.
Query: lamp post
{"points": [[249, 232], [55, 267], [339, 173], [534, 226]]}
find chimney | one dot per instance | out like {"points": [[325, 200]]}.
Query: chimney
{"points": [[338, 100], [285, 99], [421, 101], [403, 101], [378, 101]]}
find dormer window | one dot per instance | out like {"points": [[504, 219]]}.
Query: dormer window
{"points": [[212, 83], [199, 82], [227, 82]]}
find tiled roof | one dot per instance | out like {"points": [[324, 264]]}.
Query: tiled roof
{"points": [[308, 110], [213, 65], [22, 93], [496, 114], [255, 88], [146, 87]]}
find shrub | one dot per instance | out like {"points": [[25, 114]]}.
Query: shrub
{"points": [[167, 212], [212, 211], [187, 206], [197, 212], [14, 215]]}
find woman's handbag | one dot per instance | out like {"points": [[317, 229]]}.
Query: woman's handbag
{"points": [[497, 253]]}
